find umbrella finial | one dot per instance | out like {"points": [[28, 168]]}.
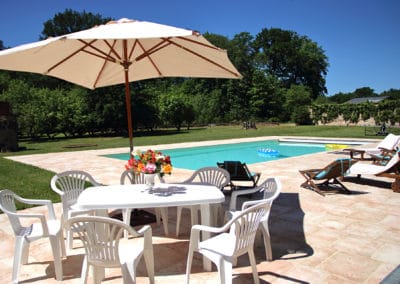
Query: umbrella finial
{"points": [[121, 21]]}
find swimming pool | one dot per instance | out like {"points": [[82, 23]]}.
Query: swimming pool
{"points": [[248, 152]]}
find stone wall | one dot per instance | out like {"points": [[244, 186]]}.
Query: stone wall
{"points": [[341, 122]]}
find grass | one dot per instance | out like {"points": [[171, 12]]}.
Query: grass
{"points": [[33, 182]]}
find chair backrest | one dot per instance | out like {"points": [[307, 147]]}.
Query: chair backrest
{"points": [[268, 190], [101, 249], [238, 171], [70, 184], [211, 176], [392, 165], [7, 205], [127, 177], [389, 142], [335, 169], [245, 225]]}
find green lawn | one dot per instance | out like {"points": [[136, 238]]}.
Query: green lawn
{"points": [[32, 182]]}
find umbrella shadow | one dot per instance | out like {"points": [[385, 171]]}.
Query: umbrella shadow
{"points": [[286, 226]]}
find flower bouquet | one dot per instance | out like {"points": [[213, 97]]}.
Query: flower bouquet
{"points": [[150, 162]]}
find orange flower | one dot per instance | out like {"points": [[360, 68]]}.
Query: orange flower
{"points": [[150, 162], [167, 169]]}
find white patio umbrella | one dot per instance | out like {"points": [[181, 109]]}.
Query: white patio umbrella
{"points": [[121, 52]]}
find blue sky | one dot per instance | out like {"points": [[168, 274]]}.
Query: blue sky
{"points": [[360, 37]]}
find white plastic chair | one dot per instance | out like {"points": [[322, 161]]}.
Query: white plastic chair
{"points": [[268, 190], [232, 240], [24, 235], [105, 247], [208, 176], [69, 185], [128, 176]]}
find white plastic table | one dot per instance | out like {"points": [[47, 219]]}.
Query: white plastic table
{"points": [[162, 195]]}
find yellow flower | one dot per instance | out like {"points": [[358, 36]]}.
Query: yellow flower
{"points": [[167, 169]]}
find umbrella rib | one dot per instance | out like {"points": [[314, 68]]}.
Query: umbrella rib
{"points": [[105, 55], [132, 49], [146, 53], [82, 49], [68, 57], [151, 60], [105, 62], [198, 43], [112, 49], [203, 57]]}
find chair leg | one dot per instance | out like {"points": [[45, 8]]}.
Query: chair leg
{"points": [[126, 218], [253, 266], [194, 215], [158, 216], [55, 246], [189, 264], [25, 253], [345, 189], [98, 274], [316, 188], [62, 243], [267, 240], [148, 255], [70, 239], [178, 219], [164, 216], [128, 270], [18, 255], [225, 271], [84, 271], [194, 211]]}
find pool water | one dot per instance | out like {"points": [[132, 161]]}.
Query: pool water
{"points": [[248, 152]]}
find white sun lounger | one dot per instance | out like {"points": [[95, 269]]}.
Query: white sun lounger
{"points": [[389, 143]]}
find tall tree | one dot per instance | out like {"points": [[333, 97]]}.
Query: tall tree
{"points": [[364, 92], [71, 21], [292, 58]]}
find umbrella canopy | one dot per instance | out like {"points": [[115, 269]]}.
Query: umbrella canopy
{"points": [[122, 51]]}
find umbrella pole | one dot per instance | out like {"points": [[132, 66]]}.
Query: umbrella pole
{"points": [[128, 112], [126, 65]]}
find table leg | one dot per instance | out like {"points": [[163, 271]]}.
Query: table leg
{"points": [[205, 220]]}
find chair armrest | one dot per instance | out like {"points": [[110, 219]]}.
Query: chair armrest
{"points": [[235, 194], [208, 229], [147, 234], [257, 175], [247, 204], [355, 151], [56, 190], [144, 230], [195, 233], [48, 203], [41, 217]]}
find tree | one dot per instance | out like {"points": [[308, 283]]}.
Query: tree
{"points": [[393, 94], [298, 101], [340, 98], [293, 59], [267, 98], [173, 108], [364, 92], [71, 21]]}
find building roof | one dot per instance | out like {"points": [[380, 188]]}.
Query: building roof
{"points": [[366, 99]]}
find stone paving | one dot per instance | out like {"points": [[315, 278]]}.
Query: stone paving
{"points": [[338, 238]]}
